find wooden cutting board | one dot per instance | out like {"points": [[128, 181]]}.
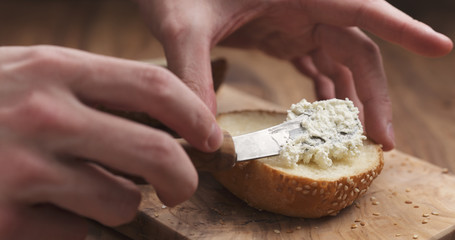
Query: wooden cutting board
{"points": [[411, 199]]}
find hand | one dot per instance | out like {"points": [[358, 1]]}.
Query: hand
{"points": [[321, 39], [45, 129]]}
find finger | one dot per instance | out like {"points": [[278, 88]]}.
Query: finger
{"points": [[129, 85], [323, 86], [40, 222], [384, 20], [89, 190], [365, 63], [76, 186], [133, 148], [188, 57], [341, 77]]}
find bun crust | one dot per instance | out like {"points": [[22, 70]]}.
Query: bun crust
{"points": [[291, 193]]}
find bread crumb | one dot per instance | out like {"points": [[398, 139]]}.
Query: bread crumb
{"points": [[408, 190]]}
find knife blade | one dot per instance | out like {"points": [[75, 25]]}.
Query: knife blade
{"points": [[250, 146]]}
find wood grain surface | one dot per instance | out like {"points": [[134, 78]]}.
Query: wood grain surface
{"points": [[422, 89]]}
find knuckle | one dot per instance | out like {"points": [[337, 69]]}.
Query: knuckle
{"points": [[369, 48], [127, 205], [165, 152], [158, 83], [43, 56], [38, 113]]}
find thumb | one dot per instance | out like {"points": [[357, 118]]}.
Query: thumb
{"points": [[189, 59]]}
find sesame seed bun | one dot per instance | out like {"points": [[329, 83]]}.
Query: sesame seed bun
{"points": [[307, 191]]}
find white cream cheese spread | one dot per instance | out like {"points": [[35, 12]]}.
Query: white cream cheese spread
{"points": [[332, 131]]}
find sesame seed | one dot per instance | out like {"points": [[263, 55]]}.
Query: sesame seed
{"points": [[371, 178], [445, 170], [376, 214], [397, 235], [416, 206], [353, 226], [362, 224], [298, 227], [322, 191], [314, 184], [346, 187], [298, 189], [345, 196], [276, 231], [305, 192], [425, 215], [340, 185], [330, 211], [356, 190], [335, 204], [375, 203], [435, 213], [424, 221], [408, 202], [372, 199], [314, 192], [307, 187], [408, 190], [156, 215], [415, 236], [357, 220], [163, 206], [363, 180]]}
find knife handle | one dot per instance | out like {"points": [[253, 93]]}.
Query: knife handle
{"points": [[222, 159]]}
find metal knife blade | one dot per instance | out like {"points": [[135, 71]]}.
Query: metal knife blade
{"points": [[269, 141]]}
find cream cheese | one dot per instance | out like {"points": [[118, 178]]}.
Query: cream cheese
{"points": [[332, 131]]}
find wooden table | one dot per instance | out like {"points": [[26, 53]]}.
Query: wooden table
{"points": [[422, 89]]}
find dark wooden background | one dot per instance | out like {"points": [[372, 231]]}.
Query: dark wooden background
{"points": [[422, 89]]}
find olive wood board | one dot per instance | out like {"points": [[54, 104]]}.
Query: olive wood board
{"points": [[410, 199]]}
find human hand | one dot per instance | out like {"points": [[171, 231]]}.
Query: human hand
{"points": [[320, 38], [45, 129]]}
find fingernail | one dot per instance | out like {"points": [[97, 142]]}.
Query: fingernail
{"points": [[216, 138], [391, 133]]}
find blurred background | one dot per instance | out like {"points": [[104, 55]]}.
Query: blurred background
{"points": [[422, 89]]}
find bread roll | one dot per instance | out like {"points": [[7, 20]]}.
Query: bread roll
{"points": [[306, 191]]}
